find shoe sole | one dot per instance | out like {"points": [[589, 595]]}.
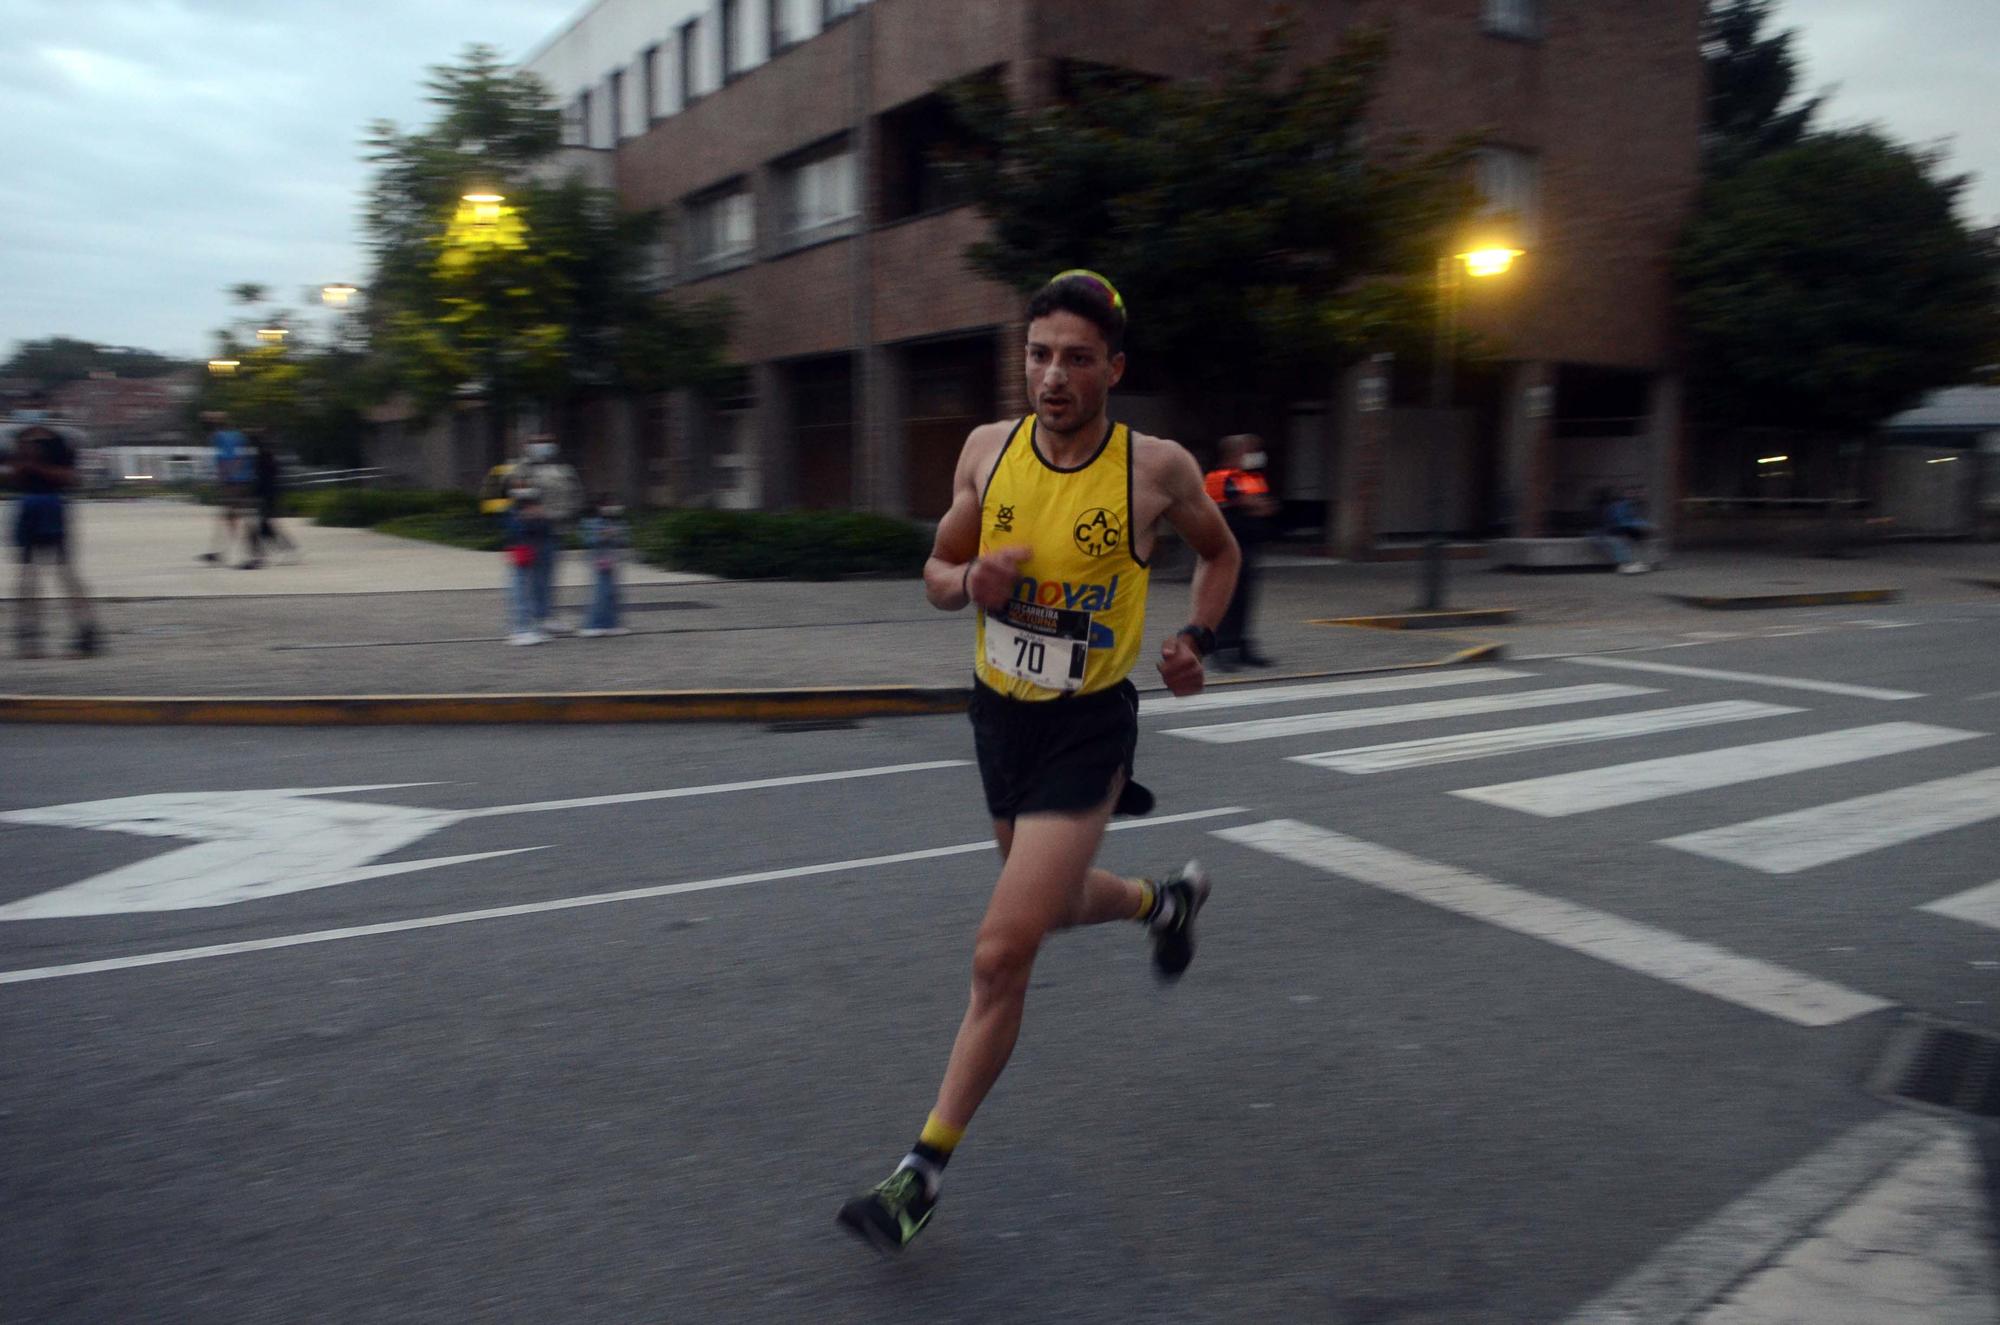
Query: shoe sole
{"points": [[1201, 887]]}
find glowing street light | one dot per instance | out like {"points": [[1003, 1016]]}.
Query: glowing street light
{"points": [[1484, 259], [337, 294], [272, 335], [223, 367]]}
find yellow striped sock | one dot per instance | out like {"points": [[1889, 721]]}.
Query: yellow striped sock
{"points": [[1149, 897], [940, 1136]]}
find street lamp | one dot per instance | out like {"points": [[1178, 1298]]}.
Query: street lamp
{"points": [[272, 335], [223, 367], [337, 294], [1481, 260]]}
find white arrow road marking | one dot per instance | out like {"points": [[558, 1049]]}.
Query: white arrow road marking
{"points": [[256, 844]]}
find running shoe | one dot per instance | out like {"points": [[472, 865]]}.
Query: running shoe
{"points": [[890, 1216], [1173, 941]]}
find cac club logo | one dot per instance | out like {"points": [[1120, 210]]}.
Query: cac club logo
{"points": [[1099, 532]]}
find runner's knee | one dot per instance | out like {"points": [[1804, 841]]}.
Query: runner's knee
{"points": [[1000, 963]]}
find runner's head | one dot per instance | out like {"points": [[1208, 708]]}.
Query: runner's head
{"points": [[1076, 350]]}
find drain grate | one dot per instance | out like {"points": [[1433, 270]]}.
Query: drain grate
{"points": [[1947, 1067]]}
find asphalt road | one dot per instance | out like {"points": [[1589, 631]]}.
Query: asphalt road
{"points": [[1401, 1085]]}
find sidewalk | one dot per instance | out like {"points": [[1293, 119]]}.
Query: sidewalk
{"points": [[369, 614]]}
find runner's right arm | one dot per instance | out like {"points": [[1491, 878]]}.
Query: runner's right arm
{"points": [[956, 574]]}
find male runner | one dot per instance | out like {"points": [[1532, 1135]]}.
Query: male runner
{"points": [[1049, 532]]}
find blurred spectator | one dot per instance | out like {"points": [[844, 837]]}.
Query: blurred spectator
{"points": [[561, 495], [1624, 532], [1238, 486], [232, 477], [605, 537], [530, 546], [42, 467], [267, 490]]}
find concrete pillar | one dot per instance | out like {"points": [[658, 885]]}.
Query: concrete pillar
{"points": [[883, 447], [1358, 430], [775, 462], [687, 448], [1527, 458]]}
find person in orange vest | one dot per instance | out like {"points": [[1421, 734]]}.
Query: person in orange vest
{"points": [[1237, 485]]}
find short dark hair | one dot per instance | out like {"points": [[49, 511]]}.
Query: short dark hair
{"points": [[1091, 298]]}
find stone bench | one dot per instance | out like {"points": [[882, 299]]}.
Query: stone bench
{"points": [[1547, 552]]}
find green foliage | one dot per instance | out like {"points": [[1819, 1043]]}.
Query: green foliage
{"points": [[361, 508], [1255, 223], [801, 545], [52, 361], [1832, 284], [546, 294], [480, 533], [1750, 77]]}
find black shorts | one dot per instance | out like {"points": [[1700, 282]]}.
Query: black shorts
{"points": [[1057, 756], [41, 529]]}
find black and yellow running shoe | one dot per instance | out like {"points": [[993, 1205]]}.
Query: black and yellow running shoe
{"points": [[891, 1215], [1173, 933]]}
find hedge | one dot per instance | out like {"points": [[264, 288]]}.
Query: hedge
{"points": [[361, 508], [802, 545], [481, 533]]}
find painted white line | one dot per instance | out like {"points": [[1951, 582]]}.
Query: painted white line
{"points": [[1788, 843], [1305, 724], [1979, 905], [1654, 779], [1752, 678], [713, 789], [1646, 949], [1244, 697], [1541, 736], [539, 908], [1699, 1266]]}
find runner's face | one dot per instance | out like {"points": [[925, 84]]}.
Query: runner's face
{"points": [[1070, 371]]}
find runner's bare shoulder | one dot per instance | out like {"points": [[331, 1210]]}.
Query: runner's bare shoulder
{"points": [[982, 451], [1161, 468]]}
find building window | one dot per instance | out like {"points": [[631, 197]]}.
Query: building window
{"points": [[1514, 18], [729, 18], [586, 111], [573, 120], [616, 93], [721, 230], [829, 10], [1510, 181], [818, 195], [649, 79], [689, 30]]}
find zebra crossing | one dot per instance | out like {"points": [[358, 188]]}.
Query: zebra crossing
{"points": [[1791, 843]]}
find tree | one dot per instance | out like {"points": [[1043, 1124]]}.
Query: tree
{"points": [[306, 390], [52, 361], [538, 296], [1256, 226], [1833, 284], [1751, 78]]}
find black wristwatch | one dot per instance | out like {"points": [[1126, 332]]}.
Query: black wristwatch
{"points": [[1201, 637]]}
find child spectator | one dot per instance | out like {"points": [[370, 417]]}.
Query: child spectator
{"points": [[530, 541], [605, 538]]}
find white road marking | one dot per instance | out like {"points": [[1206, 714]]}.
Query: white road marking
{"points": [[1646, 949], [274, 841], [1654, 779], [1979, 905], [557, 904], [1751, 678], [1699, 1266], [1541, 736], [1246, 697], [1305, 724], [1788, 843]]}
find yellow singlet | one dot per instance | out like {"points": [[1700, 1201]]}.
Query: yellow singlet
{"points": [[1074, 623]]}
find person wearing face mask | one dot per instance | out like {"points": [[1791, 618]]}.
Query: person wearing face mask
{"points": [[542, 469], [1238, 486]]}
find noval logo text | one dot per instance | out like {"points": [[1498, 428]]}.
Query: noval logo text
{"points": [[1073, 597], [1099, 532]]}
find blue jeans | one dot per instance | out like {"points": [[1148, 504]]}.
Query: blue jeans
{"points": [[542, 582], [521, 614], [604, 601]]}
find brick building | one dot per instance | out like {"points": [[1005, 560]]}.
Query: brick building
{"points": [[789, 140]]}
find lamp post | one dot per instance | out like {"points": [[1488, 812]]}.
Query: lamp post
{"points": [[1485, 260]]}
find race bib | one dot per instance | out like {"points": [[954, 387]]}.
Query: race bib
{"points": [[1046, 646]]}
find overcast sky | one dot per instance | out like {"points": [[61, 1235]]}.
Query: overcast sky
{"points": [[158, 151]]}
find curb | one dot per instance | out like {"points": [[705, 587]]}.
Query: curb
{"points": [[1831, 598], [818, 704], [1472, 616]]}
